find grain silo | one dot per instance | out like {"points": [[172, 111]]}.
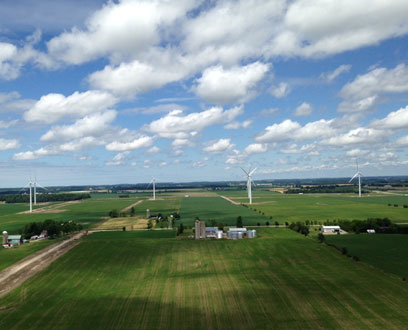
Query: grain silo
{"points": [[5, 237]]}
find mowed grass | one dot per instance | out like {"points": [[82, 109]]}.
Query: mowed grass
{"points": [[321, 207], [387, 252], [9, 257], [280, 280], [218, 209]]}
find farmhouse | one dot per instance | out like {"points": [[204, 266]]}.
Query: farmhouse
{"points": [[213, 232], [330, 229]]}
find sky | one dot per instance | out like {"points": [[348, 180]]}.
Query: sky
{"points": [[110, 92]]}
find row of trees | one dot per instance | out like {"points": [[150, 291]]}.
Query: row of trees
{"points": [[324, 190], [53, 228], [380, 225], [41, 198]]}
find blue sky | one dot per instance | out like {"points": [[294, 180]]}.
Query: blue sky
{"points": [[100, 92]]}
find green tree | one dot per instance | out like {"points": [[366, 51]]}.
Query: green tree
{"points": [[239, 222], [321, 238], [132, 212]]}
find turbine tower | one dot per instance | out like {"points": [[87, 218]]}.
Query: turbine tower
{"points": [[35, 190], [31, 196], [358, 174], [154, 188], [249, 182]]}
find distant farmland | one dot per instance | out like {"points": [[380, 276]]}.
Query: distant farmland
{"points": [[218, 209], [323, 207], [281, 280]]}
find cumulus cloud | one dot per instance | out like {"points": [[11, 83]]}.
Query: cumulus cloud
{"points": [[219, 146], [52, 107], [365, 92], [305, 109], [175, 125], [118, 159], [394, 120], [92, 125], [220, 86], [278, 132], [280, 91], [256, 148], [143, 141], [6, 144], [237, 125], [154, 150], [7, 124], [357, 136]]}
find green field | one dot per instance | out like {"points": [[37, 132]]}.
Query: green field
{"points": [[218, 209], [321, 207], [9, 257], [280, 280], [387, 252]]}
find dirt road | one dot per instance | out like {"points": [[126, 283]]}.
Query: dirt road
{"points": [[230, 200], [15, 275], [130, 206]]}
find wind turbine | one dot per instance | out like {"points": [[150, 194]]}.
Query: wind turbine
{"points": [[249, 182], [153, 183], [358, 174], [35, 189]]}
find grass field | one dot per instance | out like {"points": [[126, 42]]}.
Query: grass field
{"points": [[281, 280], [9, 257], [387, 252], [321, 207], [218, 209]]}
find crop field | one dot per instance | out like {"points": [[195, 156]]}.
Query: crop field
{"points": [[87, 212], [132, 280], [218, 209], [321, 207], [386, 252], [9, 257]]}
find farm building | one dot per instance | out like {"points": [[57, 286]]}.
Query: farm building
{"points": [[330, 229], [213, 232], [13, 240], [371, 231], [238, 233]]}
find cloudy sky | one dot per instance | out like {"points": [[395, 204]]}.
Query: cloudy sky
{"points": [[96, 92]]}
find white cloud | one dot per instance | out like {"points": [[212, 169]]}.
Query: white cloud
{"points": [[256, 148], [30, 155], [364, 93], [140, 142], [52, 107], [175, 125], [181, 143], [330, 76], [220, 86], [357, 152], [92, 125], [305, 109], [278, 132], [402, 141], [9, 144], [357, 136], [153, 150], [395, 120], [8, 124], [219, 146], [118, 159], [316, 129], [237, 125], [280, 91]]}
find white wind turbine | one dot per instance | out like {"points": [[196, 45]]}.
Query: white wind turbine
{"points": [[249, 182], [358, 174], [35, 189], [30, 187], [153, 183]]}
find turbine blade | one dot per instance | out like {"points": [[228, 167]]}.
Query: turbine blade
{"points": [[354, 176], [252, 172], [244, 171]]}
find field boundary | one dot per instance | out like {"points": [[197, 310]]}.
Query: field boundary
{"points": [[127, 208], [229, 200], [15, 275]]}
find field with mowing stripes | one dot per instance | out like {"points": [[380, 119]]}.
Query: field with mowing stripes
{"points": [[386, 252], [131, 280], [321, 207]]}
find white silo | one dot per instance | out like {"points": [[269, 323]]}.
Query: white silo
{"points": [[5, 237]]}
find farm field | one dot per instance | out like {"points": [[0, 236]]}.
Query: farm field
{"points": [[9, 257], [321, 207], [218, 209], [87, 212], [132, 280], [386, 252]]}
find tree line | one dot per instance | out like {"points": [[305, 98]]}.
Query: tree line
{"points": [[41, 198], [53, 228]]}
